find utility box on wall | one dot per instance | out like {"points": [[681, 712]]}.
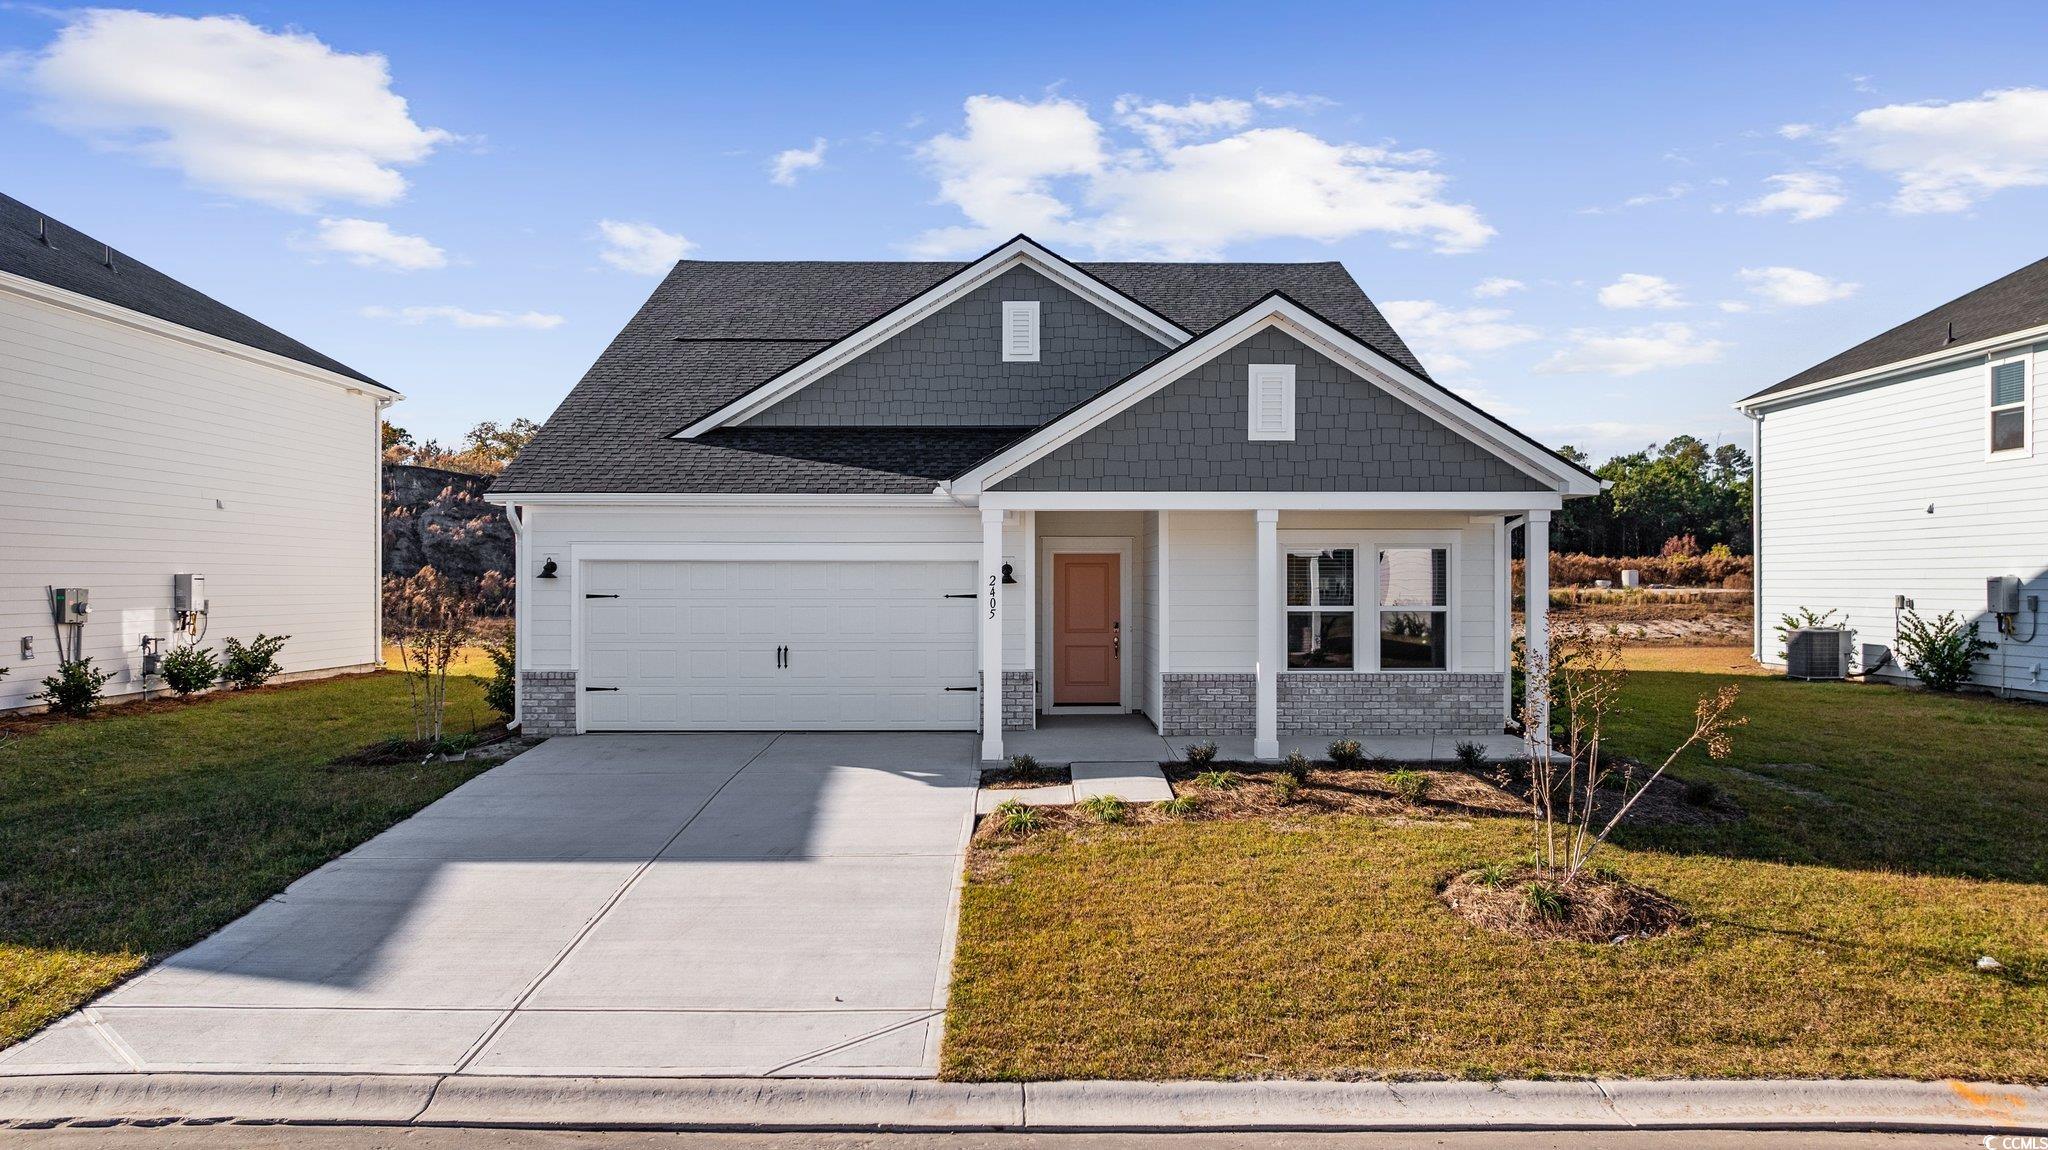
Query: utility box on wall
{"points": [[188, 592], [70, 604], [2002, 595]]}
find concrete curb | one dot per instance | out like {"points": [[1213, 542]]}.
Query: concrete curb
{"points": [[900, 1104]]}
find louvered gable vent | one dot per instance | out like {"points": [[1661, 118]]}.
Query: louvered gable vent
{"points": [[1272, 401], [1020, 331]]}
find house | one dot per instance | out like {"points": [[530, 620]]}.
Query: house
{"points": [[151, 433], [1904, 474], [852, 495]]}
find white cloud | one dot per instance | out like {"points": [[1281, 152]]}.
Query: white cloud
{"points": [[1636, 290], [1644, 199], [641, 248], [1806, 195], [1734, 306], [372, 243], [463, 317], [1636, 350], [789, 163], [1494, 287], [1795, 131], [1793, 287], [1047, 168], [1445, 335], [1287, 100], [1948, 156], [277, 117]]}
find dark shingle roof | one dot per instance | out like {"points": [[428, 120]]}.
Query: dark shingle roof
{"points": [[712, 332], [72, 260], [2013, 303]]}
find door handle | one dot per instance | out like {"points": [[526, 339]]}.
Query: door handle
{"points": [[1116, 639], [780, 652]]}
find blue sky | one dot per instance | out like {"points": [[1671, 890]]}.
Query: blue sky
{"points": [[1607, 221]]}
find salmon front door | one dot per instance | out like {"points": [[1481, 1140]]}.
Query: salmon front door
{"points": [[1087, 650]]}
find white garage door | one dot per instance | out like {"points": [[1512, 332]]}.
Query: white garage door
{"points": [[768, 645]]}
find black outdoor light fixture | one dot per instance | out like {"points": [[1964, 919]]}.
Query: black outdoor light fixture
{"points": [[547, 569], [1008, 578]]}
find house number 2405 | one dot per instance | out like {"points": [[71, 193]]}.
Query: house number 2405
{"points": [[992, 580]]}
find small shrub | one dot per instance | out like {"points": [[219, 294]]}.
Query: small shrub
{"points": [[1409, 784], [1471, 755], [501, 690], [1547, 902], [1493, 874], [1940, 651], [1286, 788], [252, 665], [1681, 547], [1296, 767], [1701, 794], [1016, 818], [1180, 806], [1201, 754], [1106, 808], [75, 688], [1346, 753], [189, 668], [1512, 773], [1217, 780], [1023, 764]]}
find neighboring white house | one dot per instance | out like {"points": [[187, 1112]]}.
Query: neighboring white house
{"points": [[147, 432], [848, 495], [1905, 473]]}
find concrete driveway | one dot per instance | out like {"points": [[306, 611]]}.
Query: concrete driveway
{"points": [[715, 904]]}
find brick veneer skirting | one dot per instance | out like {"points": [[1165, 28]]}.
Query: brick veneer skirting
{"points": [[1391, 703], [1020, 700], [1207, 703], [547, 702], [1387, 703]]}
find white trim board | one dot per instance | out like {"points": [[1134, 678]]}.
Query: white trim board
{"points": [[1998, 346], [1277, 311], [1020, 252], [1466, 501]]}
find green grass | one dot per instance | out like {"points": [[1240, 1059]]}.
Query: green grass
{"points": [[1835, 929], [141, 830]]}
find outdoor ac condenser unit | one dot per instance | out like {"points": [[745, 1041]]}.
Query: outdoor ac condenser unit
{"points": [[1817, 653]]}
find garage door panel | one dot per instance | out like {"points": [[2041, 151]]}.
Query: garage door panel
{"points": [[693, 645]]}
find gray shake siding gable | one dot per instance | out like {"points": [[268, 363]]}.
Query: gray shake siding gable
{"points": [[948, 369], [1349, 434]]}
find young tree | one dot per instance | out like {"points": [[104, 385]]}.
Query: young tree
{"points": [[1576, 687], [429, 620]]}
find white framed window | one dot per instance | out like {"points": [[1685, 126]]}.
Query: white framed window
{"points": [[1271, 388], [1372, 601], [1413, 609], [2011, 383], [1020, 331], [1322, 609]]}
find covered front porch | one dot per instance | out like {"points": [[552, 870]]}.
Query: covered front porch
{"points": [[1125, 626]]}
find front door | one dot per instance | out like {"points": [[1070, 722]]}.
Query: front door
{"points": [[1087, 653]]}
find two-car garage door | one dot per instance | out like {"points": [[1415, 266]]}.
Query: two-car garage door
{"points": [[778, 644]]}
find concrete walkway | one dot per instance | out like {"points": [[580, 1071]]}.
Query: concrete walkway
{"points": [[1060, 740], [717, 904]]}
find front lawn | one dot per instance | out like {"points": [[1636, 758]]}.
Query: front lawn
{"points": [[1891, 838], [141, 830]]}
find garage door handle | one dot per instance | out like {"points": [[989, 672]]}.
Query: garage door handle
{"points": [[600, 688], [968, 595], [588, 595], [963, 688]]}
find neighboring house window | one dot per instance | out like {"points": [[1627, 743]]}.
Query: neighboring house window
{"points": [[1020, 331], [1414, 608], [1321, 609], [1272, 401], [2009, 405]]}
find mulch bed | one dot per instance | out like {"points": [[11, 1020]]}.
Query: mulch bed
{"points": [[394, 752], [1593, 908], [1026, 778]]}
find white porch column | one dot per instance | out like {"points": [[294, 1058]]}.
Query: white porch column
{"points": [[1266, 705], [1536, 607], [991, 633]]}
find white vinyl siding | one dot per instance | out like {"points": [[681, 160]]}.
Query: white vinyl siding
{"points": [[1020, 331], [1271, 388], [1887, 491], [128, 457]]}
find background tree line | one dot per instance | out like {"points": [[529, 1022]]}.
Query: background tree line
{"points": [[1660, 494], [486, 450]]}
